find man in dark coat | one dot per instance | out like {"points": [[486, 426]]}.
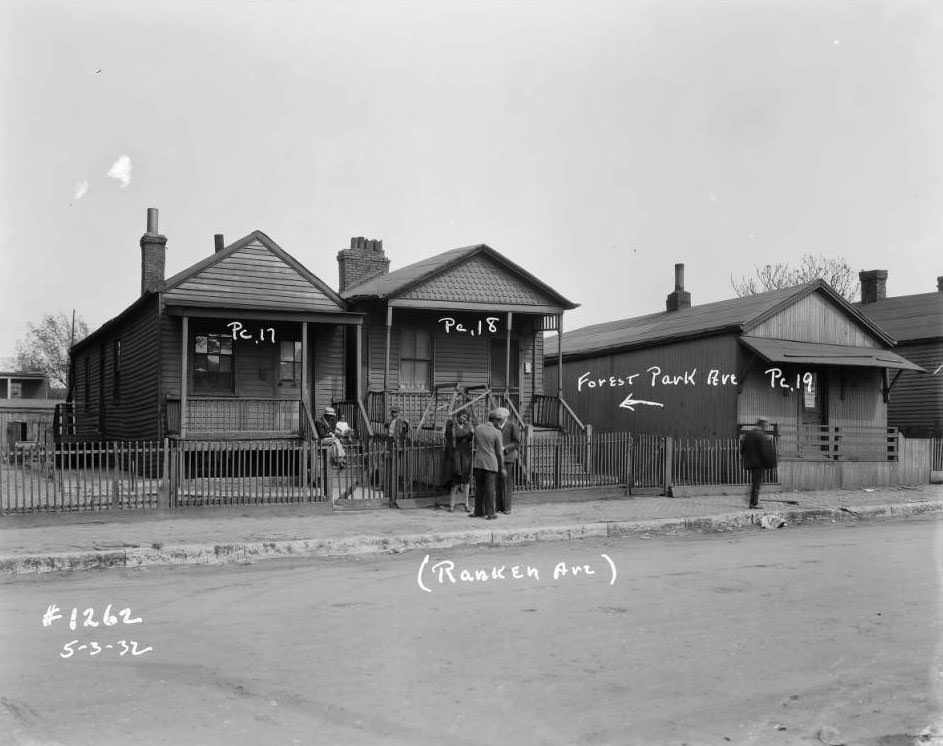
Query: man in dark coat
{"points": [[758, 454], [511, 436], [488, 464]]}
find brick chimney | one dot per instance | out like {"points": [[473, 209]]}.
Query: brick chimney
{"points": [[363, 260], [679, 298], [873, 285], [219, 243], [153, 251]]}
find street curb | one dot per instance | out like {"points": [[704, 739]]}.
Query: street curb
{"points": [[249, 552]]}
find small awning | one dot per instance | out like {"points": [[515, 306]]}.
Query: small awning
{"points": [[815, 353]]}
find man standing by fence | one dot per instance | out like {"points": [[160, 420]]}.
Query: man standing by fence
{"points": [[511, 437], [758, 453], [488, 464]]}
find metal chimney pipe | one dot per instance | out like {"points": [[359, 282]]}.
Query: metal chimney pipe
{"points": [[679, 277], [219, 242], [152, 220]]}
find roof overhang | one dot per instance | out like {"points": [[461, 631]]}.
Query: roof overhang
{"points": [[212, 312], [816, 353], [446, 305]]}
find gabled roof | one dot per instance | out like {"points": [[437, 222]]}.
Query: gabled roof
{"points": [[253, 272], [908, 317], [186, 287], [733, 315], [419, 280]]}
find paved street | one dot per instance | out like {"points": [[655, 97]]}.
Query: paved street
{"points": [[751, 638]]}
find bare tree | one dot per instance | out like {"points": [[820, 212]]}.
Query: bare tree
{"points": [[834, 270], [46, 345]]}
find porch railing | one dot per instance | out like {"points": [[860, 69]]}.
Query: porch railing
{"points": [[207, 414], [551, 411], [838, 443], [356, 415]]}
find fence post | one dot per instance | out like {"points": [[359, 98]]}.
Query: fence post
{"points": [[628, 464], [669, 458], [164, 490], [557, 466], [589, 449]]}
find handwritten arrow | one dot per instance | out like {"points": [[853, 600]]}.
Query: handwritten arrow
{"points": [[938, 370], [630, 403]]}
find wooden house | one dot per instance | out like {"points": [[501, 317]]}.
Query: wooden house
{"points": [[915, 404], [463, 326], [802, 356], [26, 411], [246, 343]]}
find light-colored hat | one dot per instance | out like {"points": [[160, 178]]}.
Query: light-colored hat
{"points": [[329, 410], [499, 413]]}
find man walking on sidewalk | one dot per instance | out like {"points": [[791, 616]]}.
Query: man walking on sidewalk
{"points": [[759, 453], [488, 464]]}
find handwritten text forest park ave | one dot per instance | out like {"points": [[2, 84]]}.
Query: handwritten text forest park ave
{"points": [[655, 376]]}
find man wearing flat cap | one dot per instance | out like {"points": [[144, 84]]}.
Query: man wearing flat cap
{"points": [[398, 427], [488, 465], [759, 453], [511, 437]]}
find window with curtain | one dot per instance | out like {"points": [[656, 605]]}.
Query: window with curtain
{"points": [[212, 363], [415, 359]]}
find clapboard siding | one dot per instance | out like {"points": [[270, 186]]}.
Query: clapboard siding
{"points": [[171, 329], [853, 396], [815, 319], [328, 365], [698, 410], [134, 414], [915, 404], [252, 277], [460, 359], [132, 411], [86, 365]]}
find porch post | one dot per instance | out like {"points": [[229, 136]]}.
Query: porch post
{"points": [[386, 362], [560, 370], [507, 359], [359, 370], [305, 380], [184, 375]]}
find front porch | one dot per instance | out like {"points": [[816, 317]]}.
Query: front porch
{"points": [[238, 418], [428, 411]]}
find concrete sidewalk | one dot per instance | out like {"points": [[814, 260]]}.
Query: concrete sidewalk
{"points": [[241, 534]]}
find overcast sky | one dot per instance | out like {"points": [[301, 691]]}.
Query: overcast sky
{"points": [[593, 143]]}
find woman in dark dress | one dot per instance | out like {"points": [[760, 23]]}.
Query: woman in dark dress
{"points": [[461, 440]]}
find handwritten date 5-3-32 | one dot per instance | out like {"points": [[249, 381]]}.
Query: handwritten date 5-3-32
{"points": [[122, 647]]}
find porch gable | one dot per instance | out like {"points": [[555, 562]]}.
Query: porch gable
{"points": [[253, 273], [479, 279], [816, 317]]}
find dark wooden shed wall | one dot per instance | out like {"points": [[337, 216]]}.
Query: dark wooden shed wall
{"points": [[698, 410], [916, 401]]}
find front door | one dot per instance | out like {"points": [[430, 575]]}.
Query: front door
{"points": [[814, 438], [499, 370]]}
